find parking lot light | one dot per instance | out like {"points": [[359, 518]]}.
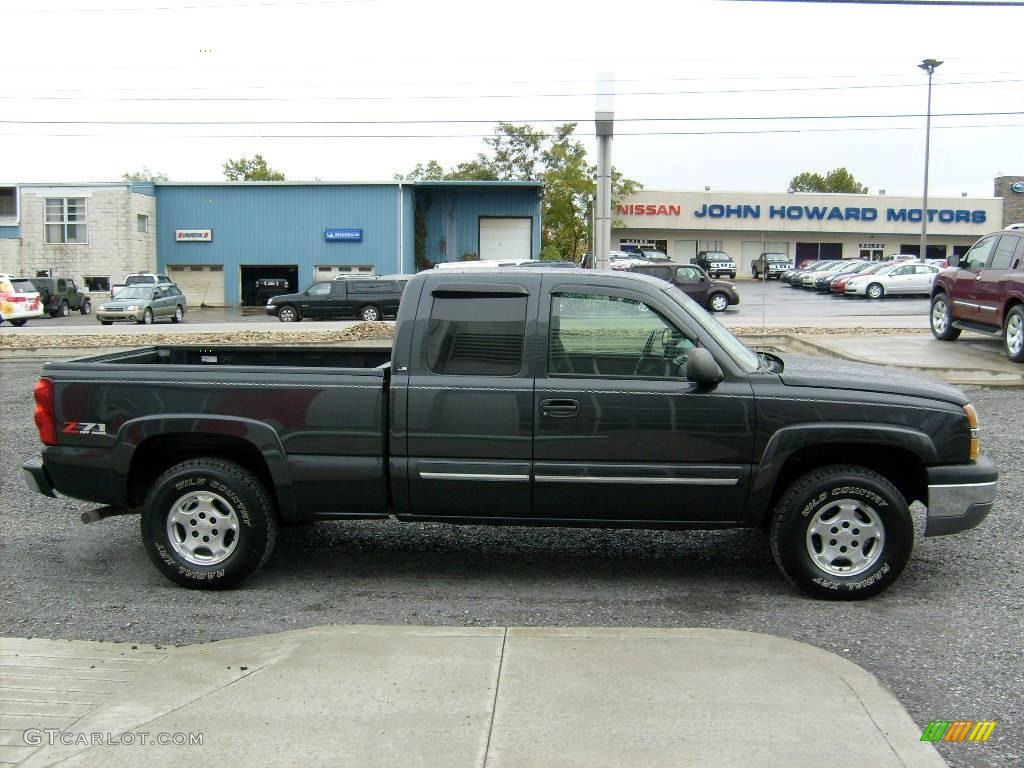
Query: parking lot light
{"points": [[929, 66]]}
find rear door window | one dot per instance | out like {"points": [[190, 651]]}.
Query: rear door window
{"points": [[476, 335], [1002, 255]]}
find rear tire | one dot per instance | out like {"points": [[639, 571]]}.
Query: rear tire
{"points": [[18, 323], [86, 308], [842, 532], [208, 523], [179, 314], [369, 313], [941, 319], [106, 322], [64, 309], [1013, 334], [718, 302]]}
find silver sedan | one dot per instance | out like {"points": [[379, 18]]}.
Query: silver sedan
{"points": [[902, 279]]}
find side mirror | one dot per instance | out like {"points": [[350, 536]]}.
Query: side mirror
{"points": [[954, 260], [702, 368]]}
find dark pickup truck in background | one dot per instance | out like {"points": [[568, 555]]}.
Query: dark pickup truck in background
{"points": [[366, 298], [531, 397]]}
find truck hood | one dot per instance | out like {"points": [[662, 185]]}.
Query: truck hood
{"points": [[806, 371]]}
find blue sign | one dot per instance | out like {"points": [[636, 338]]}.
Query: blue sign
{"points": [[348, 235], [1018, 186]]}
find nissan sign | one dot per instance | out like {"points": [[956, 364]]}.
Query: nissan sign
{"points": [[1018, 186]]}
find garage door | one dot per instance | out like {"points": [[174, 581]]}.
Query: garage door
{"points": [[505, 239], [202, 284]]}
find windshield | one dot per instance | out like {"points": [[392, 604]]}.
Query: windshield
{"points": [[777, 258], [737, 350], [133, 279], [136, 292]]}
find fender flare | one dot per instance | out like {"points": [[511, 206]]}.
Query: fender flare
{"points": [[784, 443], [260, 436]]}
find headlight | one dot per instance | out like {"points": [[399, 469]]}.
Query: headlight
{"points": [[132, 308]]}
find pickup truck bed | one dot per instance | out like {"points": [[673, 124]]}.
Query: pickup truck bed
{"points": [[537, 397]]}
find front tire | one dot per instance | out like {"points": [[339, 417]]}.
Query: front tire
{"points": [[147, 317], [19, 323], [941, 319], [1013, 334], [208, 523], [288, 314], [842, 532], [875, 291]]}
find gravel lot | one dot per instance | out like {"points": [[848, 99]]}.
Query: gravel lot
{"points": [[947, 639]]}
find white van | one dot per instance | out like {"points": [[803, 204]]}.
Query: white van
{"points": [[481, 264]]}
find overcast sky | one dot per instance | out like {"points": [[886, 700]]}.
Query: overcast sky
{"points": [[361, 90]]}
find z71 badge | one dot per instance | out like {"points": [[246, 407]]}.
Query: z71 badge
{"points": [[84, 428]]}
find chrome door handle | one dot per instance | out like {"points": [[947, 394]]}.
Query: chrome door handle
{"points": [[559, 409]]}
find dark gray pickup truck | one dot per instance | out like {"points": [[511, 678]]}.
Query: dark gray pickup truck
{"points": [[528, 397]]}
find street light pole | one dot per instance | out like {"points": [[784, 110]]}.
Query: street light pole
{"points": [[929, 66]]}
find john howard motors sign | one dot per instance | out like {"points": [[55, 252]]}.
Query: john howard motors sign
{"points": [[806, 213]]}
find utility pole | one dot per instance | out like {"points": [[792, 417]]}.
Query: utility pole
{"points": [[604, 122]]}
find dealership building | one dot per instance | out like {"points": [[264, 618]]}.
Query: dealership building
{"points": [[217, 239], [808, 225]]}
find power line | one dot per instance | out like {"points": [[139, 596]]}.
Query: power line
{"points": [[520, 121], [756, 132], [453, 97]]}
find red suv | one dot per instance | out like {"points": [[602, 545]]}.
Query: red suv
{"points": [[983, 291]]}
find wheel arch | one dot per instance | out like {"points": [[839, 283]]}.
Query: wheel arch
{"points": [[897, 453], [147, 447]]}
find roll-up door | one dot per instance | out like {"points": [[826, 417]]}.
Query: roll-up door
{"points": [[506, 238], [202, 284]]}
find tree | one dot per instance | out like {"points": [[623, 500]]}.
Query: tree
{"points": [[145, 175], [522, 153], [255, 169], [839, 180]]}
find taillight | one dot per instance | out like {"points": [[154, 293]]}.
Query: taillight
{"points": [[44, 411]]}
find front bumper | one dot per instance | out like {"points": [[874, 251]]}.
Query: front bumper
{"points": [[271, 309], [107, 315], [36, 477], [960, 496]]}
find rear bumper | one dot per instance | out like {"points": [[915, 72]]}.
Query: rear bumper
{"points": [[960, 496], [36, 477]]}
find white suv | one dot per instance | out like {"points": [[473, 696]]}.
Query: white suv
{"points": [[19, 300]]}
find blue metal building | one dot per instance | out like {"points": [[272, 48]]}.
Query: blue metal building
{"points": [[216, 239]]}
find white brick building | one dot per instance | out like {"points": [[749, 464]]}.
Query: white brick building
{"points": [[94, 233]]}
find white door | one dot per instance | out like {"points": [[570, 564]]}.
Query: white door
{"points": [[202, 284], [506, 239], [683, 251]]}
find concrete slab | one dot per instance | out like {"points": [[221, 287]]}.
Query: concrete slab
{"points": [[429, 696], [601, 697]]}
